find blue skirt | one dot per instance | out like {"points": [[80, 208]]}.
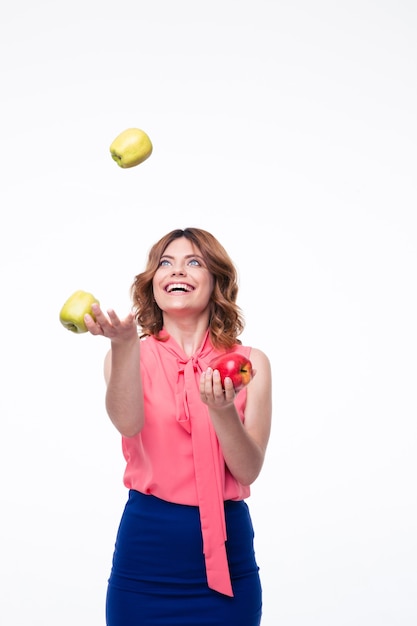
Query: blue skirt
{"points": [[158, 575]]}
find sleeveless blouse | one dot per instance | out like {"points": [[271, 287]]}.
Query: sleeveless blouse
{"points": [[176, 456]]}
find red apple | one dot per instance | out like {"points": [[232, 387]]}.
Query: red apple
{"points": [[236, 366]]}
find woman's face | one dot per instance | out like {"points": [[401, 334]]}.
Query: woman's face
{"points": [[182, 282]]}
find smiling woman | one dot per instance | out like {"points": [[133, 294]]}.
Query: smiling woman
{"points": [[226, 320], [182, 281], [192, 441]]}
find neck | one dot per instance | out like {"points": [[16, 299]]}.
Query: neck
{"points": [[188, 334]]}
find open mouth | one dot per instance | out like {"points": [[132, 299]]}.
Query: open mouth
{"points": [[178, 288]]}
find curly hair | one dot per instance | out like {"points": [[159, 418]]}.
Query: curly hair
{"points": [[226, 319]]}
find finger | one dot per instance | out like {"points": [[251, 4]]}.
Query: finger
{"points": [[208, 381], [115, 320], [202, 383], [217, 385], [98, 314], [229, 390], [92, 326]]}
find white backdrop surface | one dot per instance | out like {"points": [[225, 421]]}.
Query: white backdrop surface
{"points": [[289, 130]]}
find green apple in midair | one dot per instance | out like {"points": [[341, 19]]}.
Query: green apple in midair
{"points": [[72, 313], [131, 147]]}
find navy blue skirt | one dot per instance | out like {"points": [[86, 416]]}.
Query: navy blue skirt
{"points": [[158, 575]]}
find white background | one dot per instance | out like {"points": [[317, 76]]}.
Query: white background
{"points": [[288, 129]]}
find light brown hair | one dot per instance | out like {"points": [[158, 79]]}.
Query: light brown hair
{"points": [[226, 319]]}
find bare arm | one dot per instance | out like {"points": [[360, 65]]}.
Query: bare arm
{"points": [[124, 399], [243, 445]]}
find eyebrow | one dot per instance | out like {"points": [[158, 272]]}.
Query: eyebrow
{"points": [[187, 256]]}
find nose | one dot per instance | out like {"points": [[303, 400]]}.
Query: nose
{"points": [[178, 269]]}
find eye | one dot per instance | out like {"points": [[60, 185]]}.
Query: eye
{"points": [[163, 262], [194, 262]]}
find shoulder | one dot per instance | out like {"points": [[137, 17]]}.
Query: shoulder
{"points": [[261, 364], [149, 344], [146, 341], [259, 356]]}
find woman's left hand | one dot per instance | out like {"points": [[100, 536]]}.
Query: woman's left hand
{"points": [[213, 393]]}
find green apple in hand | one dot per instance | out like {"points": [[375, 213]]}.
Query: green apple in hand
{"points": [[72, 313], [131, 147]]}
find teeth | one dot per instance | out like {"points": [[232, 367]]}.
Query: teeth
{"points": [[178, 287]]}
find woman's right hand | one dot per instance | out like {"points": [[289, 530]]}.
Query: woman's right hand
{"points": [[110, 325]]}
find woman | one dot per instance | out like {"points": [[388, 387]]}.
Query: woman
{"points": [[184, 549]]}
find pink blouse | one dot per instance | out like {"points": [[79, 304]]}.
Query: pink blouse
{"points": [[176, 456]]}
